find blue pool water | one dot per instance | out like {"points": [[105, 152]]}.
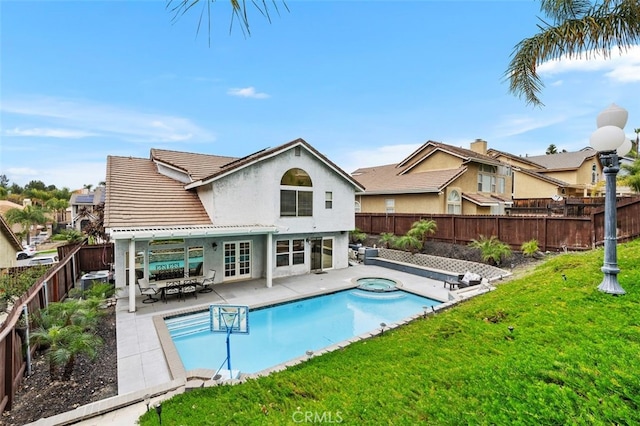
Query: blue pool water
{"points": [[283, 332]]}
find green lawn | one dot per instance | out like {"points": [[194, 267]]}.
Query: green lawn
{"points": [[571, 357]]}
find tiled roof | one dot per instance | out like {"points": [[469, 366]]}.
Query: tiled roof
{"points": [[198, 166], [240, 163], [387, 179], [484, 200], [526, 160], [544, 177], [137, 195], [563, 160], [92, 198], [430, 147]]}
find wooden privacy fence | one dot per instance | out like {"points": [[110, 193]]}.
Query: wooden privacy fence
{"points": [[552, 233], [15, 354]]}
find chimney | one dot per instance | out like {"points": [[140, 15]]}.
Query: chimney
{"points": [[479, 146]]}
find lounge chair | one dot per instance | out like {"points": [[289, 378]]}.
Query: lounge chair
{"points": [[148, 290], [468, 279], [207, 282]]}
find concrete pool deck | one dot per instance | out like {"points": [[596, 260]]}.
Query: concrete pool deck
{"points": [[143, 366]]}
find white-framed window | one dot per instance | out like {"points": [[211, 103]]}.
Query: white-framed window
{"points": [[491, 178], [390, 205], [358, 207], [290, 252], [328, 200], [454, 205], [294, 200]]}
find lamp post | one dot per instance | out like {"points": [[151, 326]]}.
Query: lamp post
{"points": [[609, 140]]}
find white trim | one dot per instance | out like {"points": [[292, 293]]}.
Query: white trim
{"points": [[153, 232]]}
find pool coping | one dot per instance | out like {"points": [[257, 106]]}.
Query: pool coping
{"points": [[204, 376]]}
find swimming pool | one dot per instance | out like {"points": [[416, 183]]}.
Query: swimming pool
{"points": [[287, 331]]}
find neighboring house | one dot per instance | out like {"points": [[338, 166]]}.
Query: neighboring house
{"points": [[83, 207], [6, 205], [566, 174], [9, 245], [278, 212], [437, 178]]}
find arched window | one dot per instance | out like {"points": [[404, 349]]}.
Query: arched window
{"points": [[294, 201], [296, 177], [454, 205]]}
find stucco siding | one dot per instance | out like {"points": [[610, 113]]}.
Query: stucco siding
{"points": [[252, 196], [438, 161], [530, 187]]}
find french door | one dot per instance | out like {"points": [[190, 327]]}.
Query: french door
{"points": [[237, 260], [321, 254]]}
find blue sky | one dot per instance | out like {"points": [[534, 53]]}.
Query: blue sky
{"points": [[364, 82]]}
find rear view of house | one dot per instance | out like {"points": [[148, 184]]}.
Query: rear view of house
{"points": [[278, 212]]}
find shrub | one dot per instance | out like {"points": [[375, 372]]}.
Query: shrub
{"points": [[387, 239], [530, 248], [491, 249], [357, 236]]}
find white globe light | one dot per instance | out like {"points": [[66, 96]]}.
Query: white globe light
{"points": [[613, 116], [607, 138], [624, 148]]}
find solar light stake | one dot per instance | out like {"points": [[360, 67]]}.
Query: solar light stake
{"points": [[147, 400], [382, 326], [159, 411]]}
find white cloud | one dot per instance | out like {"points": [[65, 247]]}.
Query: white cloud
{"points": [[621, 66], [512, 125], [49, 133], [82, 118], [247, 92]]}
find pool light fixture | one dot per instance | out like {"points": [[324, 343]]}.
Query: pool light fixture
{"points": [[609, 140]]}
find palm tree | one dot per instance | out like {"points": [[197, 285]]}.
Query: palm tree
{"points": [[491, 249], [551, 150], [59, 206], [409, 243], [238, 7], [67, 329], [421, 228], [64, 344], [30, 215], [387, 239], [632, 178], [577, 28]]}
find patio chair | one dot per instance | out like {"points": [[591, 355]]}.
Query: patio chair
{"points": [[148, 290], [171, 289], [188, 287], [207, 282]]}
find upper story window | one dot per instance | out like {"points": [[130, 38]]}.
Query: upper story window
{"points": [[488, 175], [358, 207], [294, 200], [328, 200], [594, 174]]}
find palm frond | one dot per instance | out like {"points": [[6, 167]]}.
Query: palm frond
{"points": [[613, 23]]}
